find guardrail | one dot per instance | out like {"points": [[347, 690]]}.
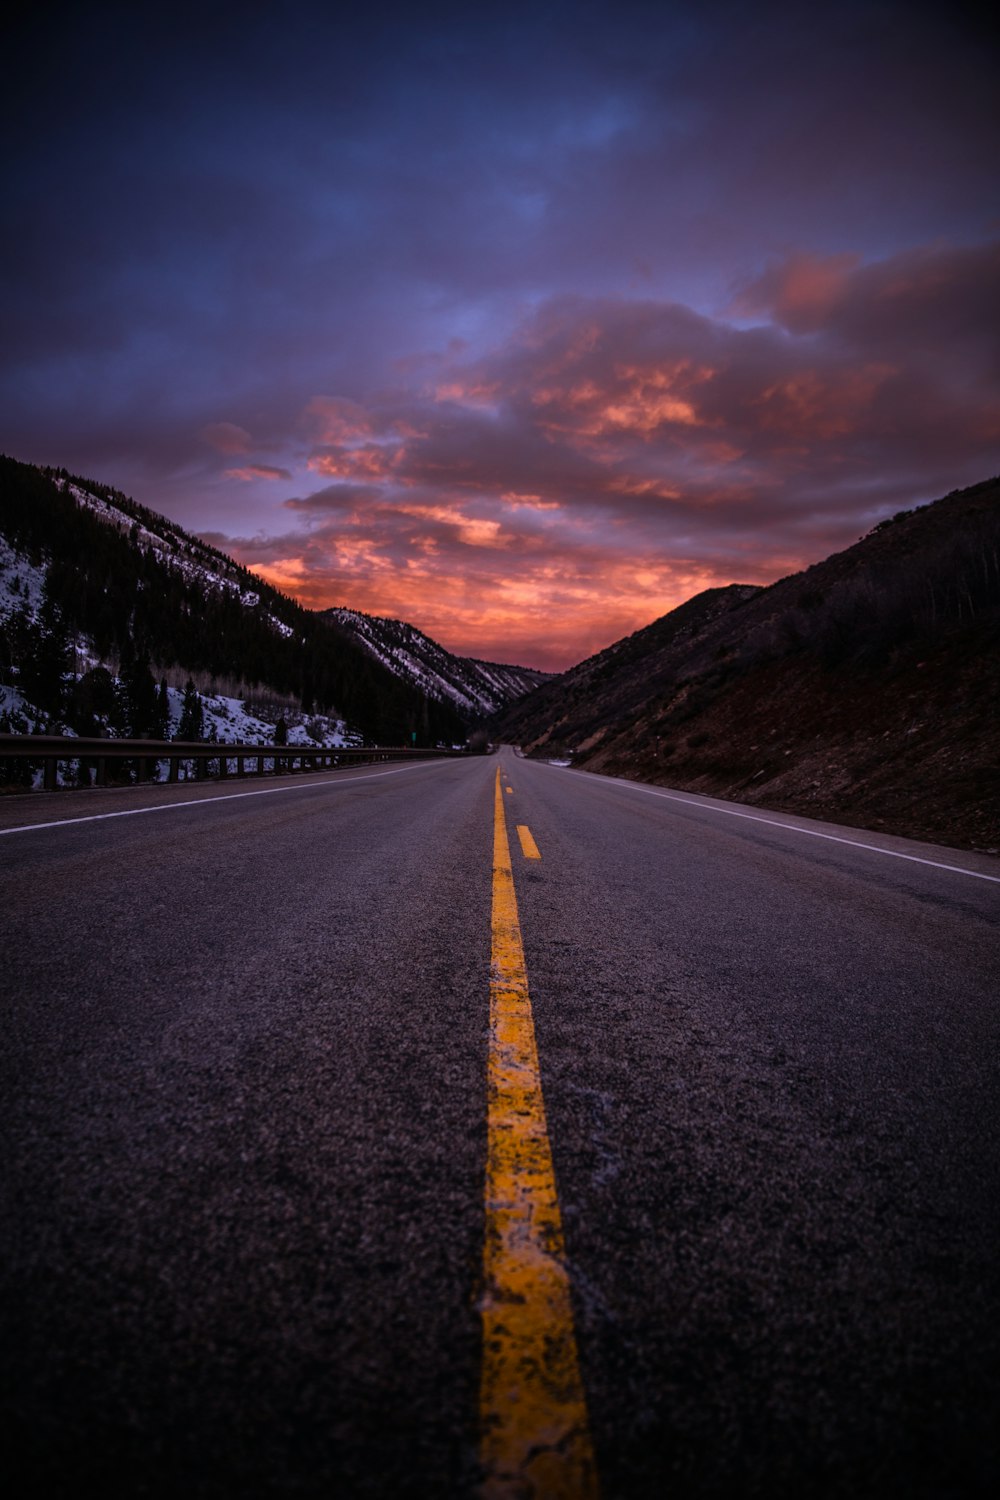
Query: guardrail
{"points": [[93, 755]]}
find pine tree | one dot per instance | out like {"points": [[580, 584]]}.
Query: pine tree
{"points": [[192, 725], [139, 690], [13, 771], [161, 726], [45, 660], [94, 703]]}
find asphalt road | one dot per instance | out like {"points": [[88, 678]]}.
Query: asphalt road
{"points": [[244, 1135]]}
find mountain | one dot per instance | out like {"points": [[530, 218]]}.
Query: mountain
{"points": [[477, 689], [864, 690], [100, 596]]}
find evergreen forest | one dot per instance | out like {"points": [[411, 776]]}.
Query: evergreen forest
{"points": [[144, 609]]}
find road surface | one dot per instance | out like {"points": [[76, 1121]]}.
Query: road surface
{"points": [[250, 1093]]}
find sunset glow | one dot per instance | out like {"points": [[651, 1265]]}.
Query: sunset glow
{"points": [[524, 350]]}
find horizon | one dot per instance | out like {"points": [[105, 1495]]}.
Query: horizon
{"points": [[523, 328]]}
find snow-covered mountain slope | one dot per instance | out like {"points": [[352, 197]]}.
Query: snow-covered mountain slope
{"points": [[23, 587], [22, 578], [22, 583], [89, 580], [170, 544], [477, 688]]}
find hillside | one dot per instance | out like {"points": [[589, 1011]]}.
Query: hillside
{"points": [[97, 592], [864, 690], [476, 689]]}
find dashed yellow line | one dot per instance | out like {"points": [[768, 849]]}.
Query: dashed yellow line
{"points": [[528, 846], [535, 1434]]}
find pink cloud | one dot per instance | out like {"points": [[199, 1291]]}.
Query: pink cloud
{"points": [[799, 292], [613, 456], [227, 438], [545, 606], [257, 471], [336, 419], [367, 460], [926, 304]]}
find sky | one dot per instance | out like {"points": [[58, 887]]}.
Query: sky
{"points": [[523, 323]]}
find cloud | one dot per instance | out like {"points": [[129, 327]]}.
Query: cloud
{"points": [[489, 253], [360, 461], [335, 497], [250, 472], [335, 419], [227, 438], [613, 455], [471, 588], [923, 304]]}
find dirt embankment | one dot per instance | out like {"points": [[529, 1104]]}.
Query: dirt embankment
{"points": [[919, 757], [865, 690]]}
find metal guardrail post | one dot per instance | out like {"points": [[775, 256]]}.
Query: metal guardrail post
{"points": [[141, 758]]}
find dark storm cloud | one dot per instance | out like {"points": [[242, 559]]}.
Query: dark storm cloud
{"points": [[611, 449], [249, 242], [925, 304], [881, 372], [342, 498]]}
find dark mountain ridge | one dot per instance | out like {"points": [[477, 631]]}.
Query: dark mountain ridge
{"points": [[476, 689], [865, 689], [125, 584]]}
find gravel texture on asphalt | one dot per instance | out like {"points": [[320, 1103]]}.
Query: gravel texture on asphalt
{"points": [[244, 1137]]}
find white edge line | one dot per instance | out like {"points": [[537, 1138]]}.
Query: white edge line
{"points": [[813, 833], [265, 791]]}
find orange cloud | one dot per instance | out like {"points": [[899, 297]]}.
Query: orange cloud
{"points": [[549, 619], [515, 501], [367, 461], [649, 399], [289, 574], [625, 484], [629, 400], [502, 600], [615, 456], [474, 531], [257, 471], [810, 405], [468, 393]]}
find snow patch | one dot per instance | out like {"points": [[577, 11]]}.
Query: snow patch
{"points": [[476, 688], [22, 583]]}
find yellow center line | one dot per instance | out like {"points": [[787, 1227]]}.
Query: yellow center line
{"points": [[529, 848], [535, 1442]]}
